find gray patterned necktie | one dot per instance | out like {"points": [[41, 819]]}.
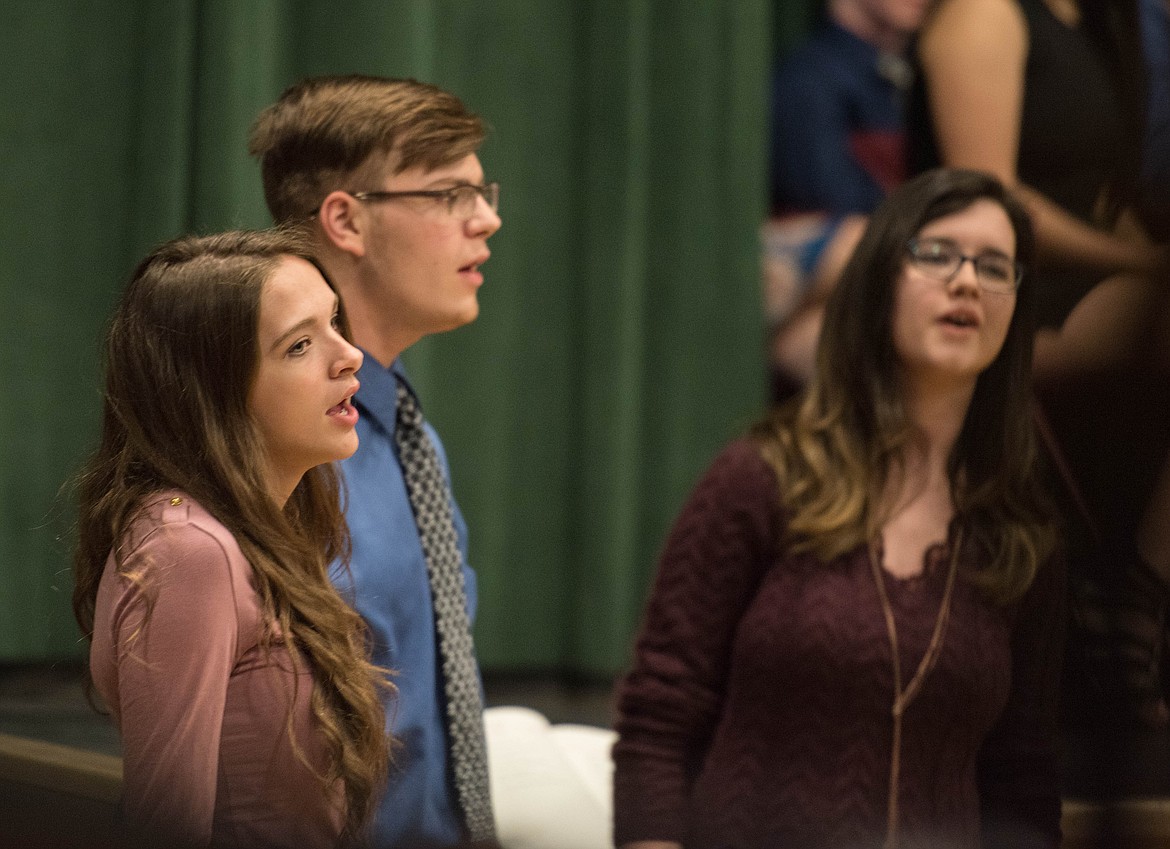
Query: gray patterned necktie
{"points": [[430, 500]]}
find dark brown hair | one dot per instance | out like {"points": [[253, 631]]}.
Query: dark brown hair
{"points": [[835, 447]]}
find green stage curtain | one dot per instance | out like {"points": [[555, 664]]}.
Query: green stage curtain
{"points": [[619, 343]]}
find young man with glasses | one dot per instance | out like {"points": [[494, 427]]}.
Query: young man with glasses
{"points": [[385, 174]]}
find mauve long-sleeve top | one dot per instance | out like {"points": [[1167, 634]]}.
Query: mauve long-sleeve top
{"points": [[201, 709]]}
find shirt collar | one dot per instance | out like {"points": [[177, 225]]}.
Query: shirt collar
{"points": [[378, 395]]}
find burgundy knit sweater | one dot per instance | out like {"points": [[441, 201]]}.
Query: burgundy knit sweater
{"points": [[757, 712]]}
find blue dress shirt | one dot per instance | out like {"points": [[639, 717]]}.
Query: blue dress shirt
{"points": [[387, 583]]}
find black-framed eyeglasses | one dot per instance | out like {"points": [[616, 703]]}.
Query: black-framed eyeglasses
{"points": [[461, 200], [942, 259]]}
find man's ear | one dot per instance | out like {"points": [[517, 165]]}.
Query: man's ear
{"points": [[342, 222]]}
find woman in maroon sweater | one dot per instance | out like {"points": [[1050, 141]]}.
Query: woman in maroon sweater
{"points": [[854, 638]]}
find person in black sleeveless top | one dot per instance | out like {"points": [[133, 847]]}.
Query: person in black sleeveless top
{"points": [[1047, 96]]}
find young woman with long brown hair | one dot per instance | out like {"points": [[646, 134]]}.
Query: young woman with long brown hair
{"points": [[854, 638], [209, 514]]}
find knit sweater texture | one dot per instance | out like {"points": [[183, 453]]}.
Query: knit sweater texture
{"points": [[757, 712]]}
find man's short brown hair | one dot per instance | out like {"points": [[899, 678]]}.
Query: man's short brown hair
{"points": [[323, 130]]}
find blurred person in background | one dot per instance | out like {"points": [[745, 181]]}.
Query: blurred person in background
{"points": [[838, 148], [1048, 96]]}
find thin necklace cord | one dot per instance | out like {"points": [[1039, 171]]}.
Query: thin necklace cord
{"points": [[903, 697]]}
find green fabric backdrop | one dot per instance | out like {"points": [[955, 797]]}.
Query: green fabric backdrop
{"points": [[619, 340]]}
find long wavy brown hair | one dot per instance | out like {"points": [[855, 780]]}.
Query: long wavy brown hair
{"points": [[181, 356], [837, 447]]}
